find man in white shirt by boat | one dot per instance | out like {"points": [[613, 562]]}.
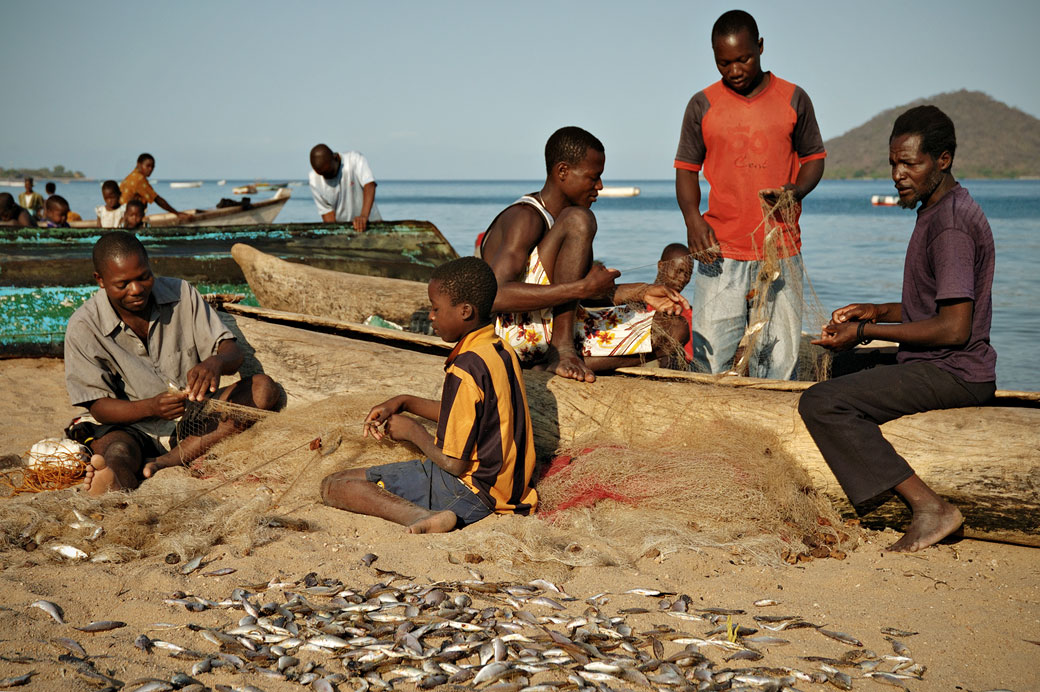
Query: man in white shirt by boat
{"points": [[343, 187]]}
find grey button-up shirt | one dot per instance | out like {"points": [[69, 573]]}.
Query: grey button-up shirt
{"points": [[104, 358]]}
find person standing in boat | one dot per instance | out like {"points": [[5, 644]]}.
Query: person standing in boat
{"points": [[136, 186], [343, 187], [942, 325], [755, 137], [540, 248], [31, 201]]}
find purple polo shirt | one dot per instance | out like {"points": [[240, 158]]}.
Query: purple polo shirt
{"points": [[950, 256]]}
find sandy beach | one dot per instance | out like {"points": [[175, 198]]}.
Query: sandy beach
{"points": [[975, 606]]}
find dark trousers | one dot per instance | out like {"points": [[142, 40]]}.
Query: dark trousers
{"points": [[844, 417]]}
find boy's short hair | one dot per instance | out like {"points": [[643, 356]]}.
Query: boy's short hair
{"points": [[136, 204], [933, 127], [468, 280], [50, 188], [116, 244], [56, 202], [570, 145], [732, 23], [109, 186], [29, 179], [145, 157]]}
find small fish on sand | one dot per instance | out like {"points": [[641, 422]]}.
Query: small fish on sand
{"points": [[192, 565], [101, 626], [17, 681], [69, 552], [841, 637], [52, 609], [70, 644]]}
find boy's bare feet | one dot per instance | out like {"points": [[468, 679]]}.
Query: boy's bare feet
{"points": [[99, 479], [435, 522], [155, 465], [928, 527]]}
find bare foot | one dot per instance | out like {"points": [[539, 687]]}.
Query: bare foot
{"points": [[99, 479], [928, 527], [435, 522], [567, 364], [153, 466]]}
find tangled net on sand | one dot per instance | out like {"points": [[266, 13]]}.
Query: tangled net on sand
{"points": [[51, 464]]}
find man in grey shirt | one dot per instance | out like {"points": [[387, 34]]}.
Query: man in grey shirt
{"points": [[135, 352]]}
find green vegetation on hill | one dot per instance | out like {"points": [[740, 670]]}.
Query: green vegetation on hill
{"points": [[994, 140], [56, 172]]}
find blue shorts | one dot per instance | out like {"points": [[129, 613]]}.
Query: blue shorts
{"points": [[423, 483]]}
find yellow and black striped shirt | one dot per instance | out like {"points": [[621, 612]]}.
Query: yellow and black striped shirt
{"points": [[484, 419]]}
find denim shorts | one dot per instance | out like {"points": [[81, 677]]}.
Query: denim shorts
{"points": [[423, 483]]}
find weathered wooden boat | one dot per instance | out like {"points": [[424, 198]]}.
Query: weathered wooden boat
{"points": [[294, 287], [984, 459], [262, 212], [61, 256]]}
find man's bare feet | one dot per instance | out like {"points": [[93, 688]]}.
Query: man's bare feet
{"points": [[567, 364], [99, 479], [155, 465], [928, 527], [435, 522]]}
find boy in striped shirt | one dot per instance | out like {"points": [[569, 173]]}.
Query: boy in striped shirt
{"points": [[482, 458]]}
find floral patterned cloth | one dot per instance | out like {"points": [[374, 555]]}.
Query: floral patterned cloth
{"points": [[617, 330]]}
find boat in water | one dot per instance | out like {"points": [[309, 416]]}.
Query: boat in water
{"points": [[186, 184], [244, 213], [884, 200], [619, 191]]}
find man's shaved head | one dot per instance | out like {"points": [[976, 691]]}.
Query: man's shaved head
{"points": [[117, 244], [324, 161]]}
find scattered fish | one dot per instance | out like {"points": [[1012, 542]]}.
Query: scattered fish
{"points": [[223, 571], [69, 552], [763, 602], [893, 632], [52, 609], [841, 637], [17, 681], [192, 565], [101, 626], [71, 644]]}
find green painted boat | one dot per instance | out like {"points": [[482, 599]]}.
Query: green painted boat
{"points": [[34, 257]]}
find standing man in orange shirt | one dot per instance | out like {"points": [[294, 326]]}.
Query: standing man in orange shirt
{"points": [[136, 186], [750, 132]]}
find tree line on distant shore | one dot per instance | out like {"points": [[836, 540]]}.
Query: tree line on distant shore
{"points": [[58, 171]]}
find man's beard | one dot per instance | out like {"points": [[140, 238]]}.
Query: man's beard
{"points": [[930, 184]]}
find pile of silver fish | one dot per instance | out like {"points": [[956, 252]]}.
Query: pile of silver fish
{"points": [[492, 636]]}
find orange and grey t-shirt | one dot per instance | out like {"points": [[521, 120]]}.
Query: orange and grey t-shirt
{"points": [[744, 145], [136, 186], [484, 419]]}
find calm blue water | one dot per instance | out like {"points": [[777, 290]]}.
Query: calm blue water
{"points": [[852, 250]]}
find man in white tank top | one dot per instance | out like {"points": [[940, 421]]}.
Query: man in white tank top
{"points": [[540, 249]]}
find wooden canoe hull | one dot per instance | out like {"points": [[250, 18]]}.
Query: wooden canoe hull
{"points": [[986, 459], [61, 256], [346, 297]]}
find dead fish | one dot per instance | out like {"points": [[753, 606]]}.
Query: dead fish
{"points": [[843, 681], [841, 637], [746, 655], [101, 626], [899, 647], [893, 632], [766, 640], [886, 678], [369, 558], [71, 644], [649, 592], [720, 611], [17, 681], [223, 571], [192, 565], [144, 643], [52, 609], [69, 552], [763, 602], [545, 601], [152, 686]]}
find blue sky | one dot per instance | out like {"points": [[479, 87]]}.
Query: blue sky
{"points": [[454, 90]]}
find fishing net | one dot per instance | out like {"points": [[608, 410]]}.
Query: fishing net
{"points": [[778, 220], [206, 422], [51, 464]]}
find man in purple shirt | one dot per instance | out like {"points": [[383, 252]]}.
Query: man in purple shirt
{"points": [[942, 326]]}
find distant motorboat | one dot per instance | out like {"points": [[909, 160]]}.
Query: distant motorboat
{"points": [[191, 183], [244, 190], [222, 182], [884, 200], [620, 191]]}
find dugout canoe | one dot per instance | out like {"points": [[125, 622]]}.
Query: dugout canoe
{"points": [[985, 459], [342, 296], [202, 254]]}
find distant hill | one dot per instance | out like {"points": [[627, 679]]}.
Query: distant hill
{"points": [[994, 140], [56, 172]]}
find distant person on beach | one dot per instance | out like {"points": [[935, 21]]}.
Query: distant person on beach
{"points": [[133, 216], [752, 134], [50, 188], [343, 187], [110, 214], [136, 186], [482, 457], [135, 353], [31, 201], [13, 215], [55, 213], [942, 325], [540, 248]]}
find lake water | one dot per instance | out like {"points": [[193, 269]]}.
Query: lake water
{"points": [[853, 251]]}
